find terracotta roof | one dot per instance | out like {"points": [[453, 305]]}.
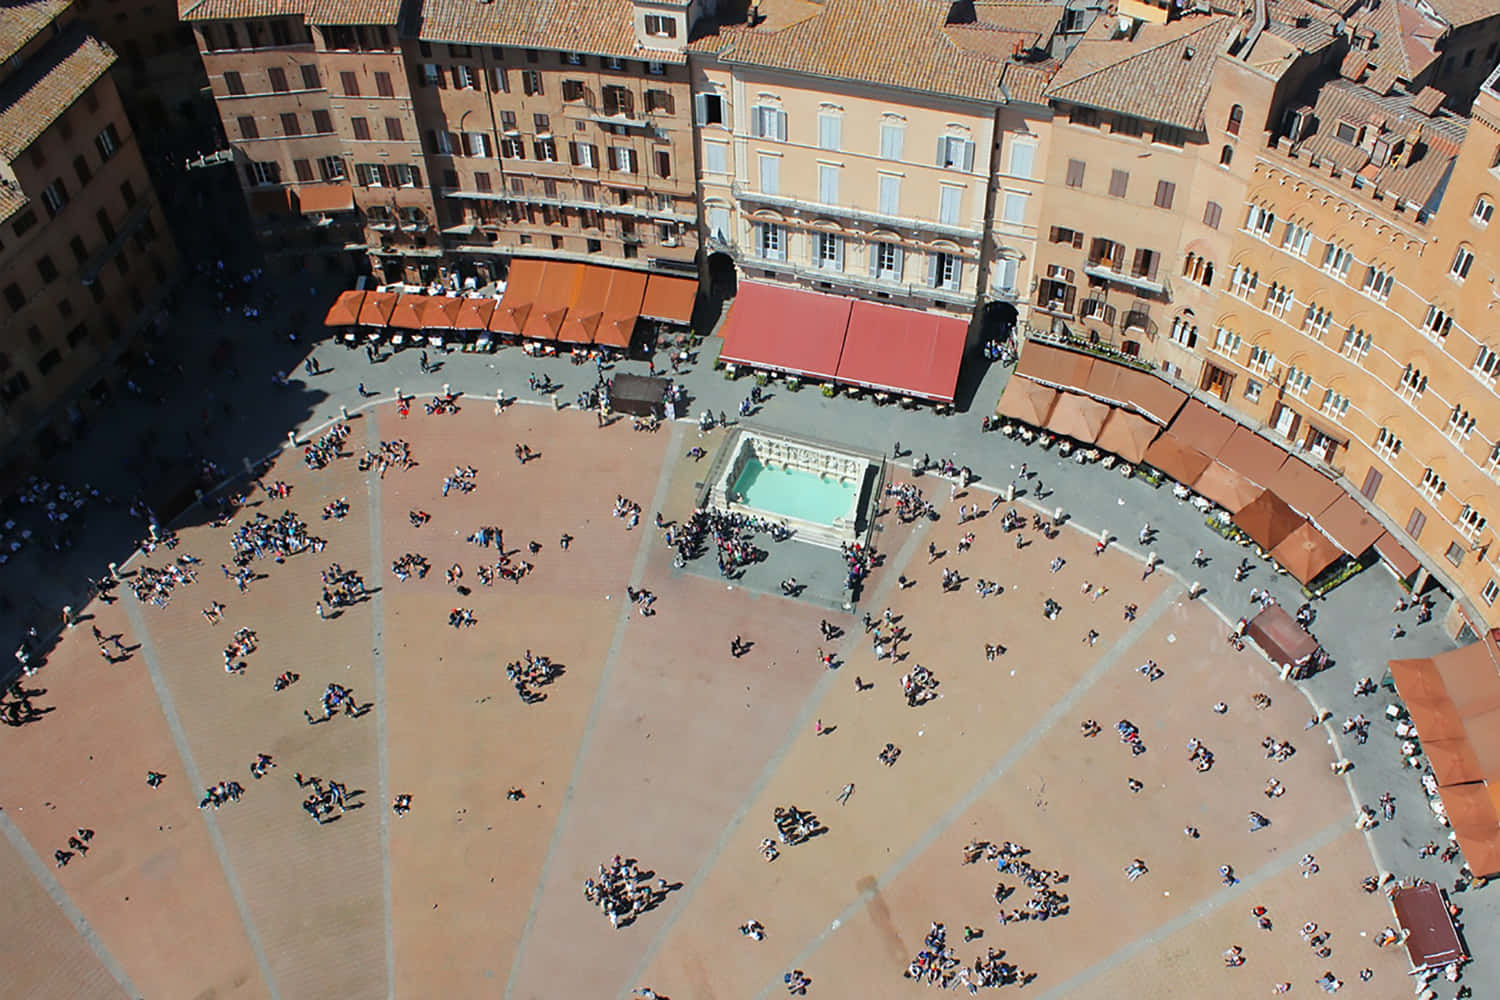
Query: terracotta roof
{"points": [[47, 85], [1418, 180], [23, 21], [1162, 74], [1404, 36], [230, 10], [908, 44], [1428, 101], [1461, 12], [594, 27], [353, 11], [12, 200]]}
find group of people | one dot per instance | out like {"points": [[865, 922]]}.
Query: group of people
{"points": [[731, 535], [155, 586], [392, 453], [320, 453], [537, 671], [623, 892]]}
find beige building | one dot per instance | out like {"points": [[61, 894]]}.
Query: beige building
{"points": [[910, 174], [85, 255]]}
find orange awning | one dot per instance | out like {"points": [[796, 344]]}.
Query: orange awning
{"points": [[669, 299], [1392, 551], [1078, 417], [319, 198], [377, 308], [441, 312], [560, 285], [408, 312], [1252, 456], [1027, 401], [1176, 458], [345, 309], [475, 313], [1054, 366], [1350, 526], [1268, 520], [1202, 428], [1225, 487], [579, 327], [1127, 435], [1453, 761], [1304, 488], [521, 286], [1306, 552], [623, 305]]}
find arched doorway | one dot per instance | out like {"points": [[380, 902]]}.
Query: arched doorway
{"points": [[723, 279]]}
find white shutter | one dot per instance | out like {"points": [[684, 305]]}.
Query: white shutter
{"points": [[830, 131], [948, 205], [968, 160], [872, 251], [891, 140], [932, 269], [715, 158], [942, 151], [718, 223], [780, 120], [770, 175], [890, 195], [828, 184]]}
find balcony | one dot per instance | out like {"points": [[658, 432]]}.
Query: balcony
{"points": [[896, 289], [567, 202], [877, 220], [1138, 282]]}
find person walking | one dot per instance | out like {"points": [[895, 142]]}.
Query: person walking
{"points": [[844, 794]]}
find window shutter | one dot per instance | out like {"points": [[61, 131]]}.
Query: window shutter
{"points": [[1154, 262], [432, 146], [1077, 241], [932, 269], [416, 176], [838, 252], [942, 150], [454, 145], [700, 108], [969, 156], [900, 260], [874, 255]]}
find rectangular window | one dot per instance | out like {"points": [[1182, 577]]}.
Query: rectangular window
{"points": [[715, 158], [277, 76], [618, 101], [1213, 212], [233, 84], [1378, 283], [394, 131], [531, 82], [432, 76], [304, 171], [464, 78], [828, 184], [1075, 173], [949, 201], [710, 109], [830, 131], [265, 172], [660, 26], [322, 122], [585, 155], [512, 147], [545, 149], [886, 262], [623, 158], [955, 153], [350, 82], [383, 85], [892, 140], [770, 241], [830, 252], [55, 197], [1296, 240], [310, 80], [770, 174], [1068, 237], [768, 123], [331, 168], [1145, 264], [663, 160], [248, 129], [1014, 211], [889, 195], [1437, 324], [46, 269], [945, 271], [1463, 259], [1119, 182], [289, 123], [1022, 158], [361, 127], [477, 144]]}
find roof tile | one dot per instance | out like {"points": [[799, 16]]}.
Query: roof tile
{"points": [[353, 11], [23, 21], [231, 10], [47, 85], [597, 27]]}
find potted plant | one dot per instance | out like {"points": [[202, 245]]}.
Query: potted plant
{"points": [[793, 384], [830, 390], [762, 379]]}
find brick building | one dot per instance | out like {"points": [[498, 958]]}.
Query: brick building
{"points": [[85, 255]]}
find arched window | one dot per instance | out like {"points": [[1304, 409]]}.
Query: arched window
{"points": [[1208, 274], [1225, 155], [1236, 115]]}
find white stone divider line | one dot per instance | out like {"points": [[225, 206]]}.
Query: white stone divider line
{"points": [[1017, 750], [195, 781], [377, 663], [64, 902], [772, 767], [602, 690]]}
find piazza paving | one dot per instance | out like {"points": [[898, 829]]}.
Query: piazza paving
{"points": [[656, 744]]}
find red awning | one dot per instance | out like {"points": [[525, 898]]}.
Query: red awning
{"points": [[623, 306], [1055, 367], [1268, 520], [474, 313], [408, 312], [1431, 939], [345, 309], [1348, 524], [1304, 488], [560, 286], [786, 329], [315, 199], [670, 299], [377, 308], [1252, 456], [1305, 553], [905, 351], [583, 318], [521, 286], [440, 312], [1127, 435]]}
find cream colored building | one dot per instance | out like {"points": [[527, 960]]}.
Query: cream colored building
{"points": [[886, 178]]}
